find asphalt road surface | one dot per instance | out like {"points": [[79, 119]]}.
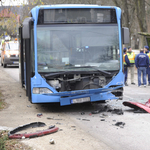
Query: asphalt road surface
{"points": [[13, 70], [125, 130]]}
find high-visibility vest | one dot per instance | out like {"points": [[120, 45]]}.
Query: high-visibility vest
{"points": [[131, 57], [148, 54], [124, 62]]}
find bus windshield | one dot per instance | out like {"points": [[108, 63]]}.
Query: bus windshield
{"points": [[77, 47]]}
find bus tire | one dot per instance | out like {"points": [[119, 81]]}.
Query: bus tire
{"points": [[1, 62], [4, 65]]}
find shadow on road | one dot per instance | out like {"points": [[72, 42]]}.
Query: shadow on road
{"points": [[84, 107]]}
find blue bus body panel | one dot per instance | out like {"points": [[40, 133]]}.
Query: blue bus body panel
{"points": [[65, 98], [94, 94]]}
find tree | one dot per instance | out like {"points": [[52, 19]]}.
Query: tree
{"points": [[134, 16], [141, 17]]}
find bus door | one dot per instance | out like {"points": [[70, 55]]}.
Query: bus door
{"points": [[26, 60]]}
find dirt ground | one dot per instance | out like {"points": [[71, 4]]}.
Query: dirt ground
{"points": [[20, 111]]}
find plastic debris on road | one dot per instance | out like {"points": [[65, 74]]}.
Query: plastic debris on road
{"points": [[137, 105]]}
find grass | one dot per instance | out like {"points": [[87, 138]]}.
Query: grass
{"points": [[3, 139], [5, 142], [2, 102], [11, 144]]}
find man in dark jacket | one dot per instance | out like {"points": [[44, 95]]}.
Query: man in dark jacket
{"points": [[146, 49], [142, 63], [126, 63]]}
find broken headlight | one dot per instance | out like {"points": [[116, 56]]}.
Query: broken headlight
{"points": [[41, 91]]}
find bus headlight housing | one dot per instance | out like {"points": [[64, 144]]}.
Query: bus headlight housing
{"points": [[41, 91]]}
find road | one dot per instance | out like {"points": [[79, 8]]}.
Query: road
{"points": [[94, 123], [13, 71]]}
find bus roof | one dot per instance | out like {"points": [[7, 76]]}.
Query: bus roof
{"points": [[36, 9], [73, 6]]}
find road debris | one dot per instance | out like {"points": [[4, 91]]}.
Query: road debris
{"points": [[102, 119], [85, 119], [104, 115], [60, 129], [29, 106], [120, 124], [52, 141], [51, 118], [12, 134], [96, 112], [101, 116], [102, 109], [82, 113], [117, 111], [39, 115], [58, 123], [137, 106]]}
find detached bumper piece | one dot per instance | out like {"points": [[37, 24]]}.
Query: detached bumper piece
{"points": [[12, 134], [136, 105]]}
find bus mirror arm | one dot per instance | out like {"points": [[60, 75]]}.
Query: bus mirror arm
{"points": [[26, 28], [125, 35]]}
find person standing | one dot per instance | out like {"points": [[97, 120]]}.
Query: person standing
{"points": [[126, 63], [142, 62], [146, 49], [131, 56]]}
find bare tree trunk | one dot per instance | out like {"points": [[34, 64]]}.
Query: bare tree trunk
{"points": [[125, 13], [141, 16]]}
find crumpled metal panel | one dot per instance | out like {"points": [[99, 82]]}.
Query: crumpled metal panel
{"points": [[137, 105]]}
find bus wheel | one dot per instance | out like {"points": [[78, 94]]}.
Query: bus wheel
{"points": [[4, 65], [1, 62]]}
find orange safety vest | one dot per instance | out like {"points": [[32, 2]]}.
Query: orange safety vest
{"points": [[131, 57], [124, 62]]}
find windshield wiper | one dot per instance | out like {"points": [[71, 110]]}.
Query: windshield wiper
{"points": [[102, 71], [48, 75]]}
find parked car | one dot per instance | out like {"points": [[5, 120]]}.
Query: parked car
{"points": [[0, 50], [10, 53]]}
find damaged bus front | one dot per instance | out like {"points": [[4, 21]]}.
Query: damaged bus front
{"points": [[72, 54]]}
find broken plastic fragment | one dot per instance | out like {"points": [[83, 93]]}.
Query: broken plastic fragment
{"points": [[52, 141], [137, 105]]}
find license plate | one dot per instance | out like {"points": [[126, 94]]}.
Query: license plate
{"points": [[16, 62], [80, 100]]}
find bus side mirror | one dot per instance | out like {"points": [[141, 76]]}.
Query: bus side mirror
{"points": [[26, 28], [125, 35]]}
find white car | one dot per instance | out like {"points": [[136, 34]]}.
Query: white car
{"points": [[0, 50]]}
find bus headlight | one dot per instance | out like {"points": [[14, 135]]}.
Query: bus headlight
{"points": [[41, 91]]}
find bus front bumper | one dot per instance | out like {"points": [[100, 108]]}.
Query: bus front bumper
{"points": [[74, 97]]}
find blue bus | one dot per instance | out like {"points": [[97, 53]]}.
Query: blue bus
{"points": [[72, 54]]}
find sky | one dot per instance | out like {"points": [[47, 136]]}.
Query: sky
{"points": [[13, 2]]}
